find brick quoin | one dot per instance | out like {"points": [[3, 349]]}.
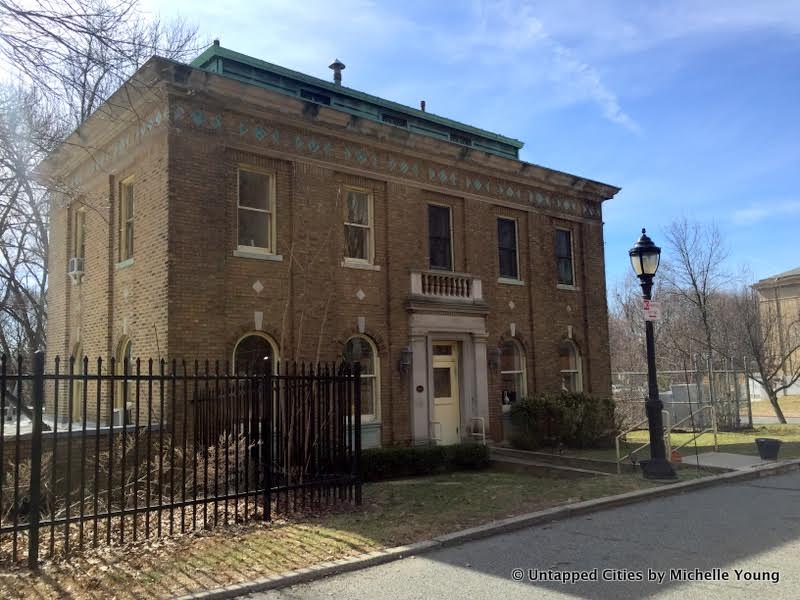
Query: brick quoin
{"points": [[181, 132]]}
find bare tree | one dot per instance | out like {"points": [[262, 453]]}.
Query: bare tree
{"points": [[68, 56], [80, 51], [695, 274], [759, 327], [27, 133], [626, 328]]}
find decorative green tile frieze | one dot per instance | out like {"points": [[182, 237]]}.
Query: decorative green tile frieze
{"points": [[304, 143]]}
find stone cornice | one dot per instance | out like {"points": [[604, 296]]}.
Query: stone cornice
{"points": [[416, 304], [164, 92], [262, 103], [130, 110], [298, 139], [777, 282]]}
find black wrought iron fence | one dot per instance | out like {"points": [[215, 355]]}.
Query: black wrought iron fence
{"points": [[112, 455]]}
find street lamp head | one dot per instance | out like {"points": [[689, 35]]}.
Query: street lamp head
{"points": [[645, 256]]}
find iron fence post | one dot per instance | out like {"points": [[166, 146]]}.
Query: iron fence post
{"points": [[36, 460], [357, 421], [266, 440]]}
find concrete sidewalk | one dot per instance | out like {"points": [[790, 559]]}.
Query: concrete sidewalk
{"points": [[734, 542], [725, 460]]}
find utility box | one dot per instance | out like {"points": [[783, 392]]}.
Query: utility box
{"points": [[685, 398]]}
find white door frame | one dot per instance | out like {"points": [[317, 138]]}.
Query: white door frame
{"points": [[470, 333]]}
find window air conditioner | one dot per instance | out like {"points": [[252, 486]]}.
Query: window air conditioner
{"points": [[75, 270]]}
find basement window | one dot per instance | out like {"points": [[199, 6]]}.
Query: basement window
{"points": [[315, 97]]}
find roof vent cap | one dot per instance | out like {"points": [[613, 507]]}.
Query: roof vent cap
{"points": [[338, 67]]}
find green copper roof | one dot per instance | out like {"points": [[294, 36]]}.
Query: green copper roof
{"points": [[292, 83]]}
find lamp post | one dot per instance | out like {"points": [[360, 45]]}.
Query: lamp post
{"points": [[645, 256]]}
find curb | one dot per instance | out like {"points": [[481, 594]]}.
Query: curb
{"points": [[549, 515]]}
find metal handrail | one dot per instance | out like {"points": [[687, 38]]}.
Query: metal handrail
{"points": [[668, 429], [638, 425], [434, 437], [482, 434], [712, 429]]}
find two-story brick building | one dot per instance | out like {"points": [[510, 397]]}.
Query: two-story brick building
{"points": [[779, 296], [233, 210]]}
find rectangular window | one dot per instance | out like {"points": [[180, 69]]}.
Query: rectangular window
{"points": [[126, 218], [358, 229], [79, 234], [439, 237], [315, 97], [394, 120], [507, 248], [256, 211], [564, 264]]}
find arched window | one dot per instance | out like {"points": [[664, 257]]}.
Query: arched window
{"points": [[512, 373], [360, 349], [126, 389], [252, 351], [569, 360], [76, 414]]}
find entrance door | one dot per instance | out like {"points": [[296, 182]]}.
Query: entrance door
{"points": [[446, 412]]}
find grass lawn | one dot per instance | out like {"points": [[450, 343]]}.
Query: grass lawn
{"points": [[790, 405], [394, 512], [738, 442]]}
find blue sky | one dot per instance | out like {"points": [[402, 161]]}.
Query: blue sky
{"points": [[692, 108]]}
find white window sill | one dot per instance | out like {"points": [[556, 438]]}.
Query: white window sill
{"points": [[124, 264], [241, 253], [562, 286], [352, 264], [509, 281]]}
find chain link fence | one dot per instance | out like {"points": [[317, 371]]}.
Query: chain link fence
{"points": [[684, 393]]}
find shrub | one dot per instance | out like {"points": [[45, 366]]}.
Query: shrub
{"points": [[464, 457], [574, 420], [392, 462], [395, 462]]}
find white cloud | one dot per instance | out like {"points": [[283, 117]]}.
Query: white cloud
{"points": [[511, 43], [519, 58], [610, 28], [758, 212]]}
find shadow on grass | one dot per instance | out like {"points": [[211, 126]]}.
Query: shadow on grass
{"points": [[393, 513]]}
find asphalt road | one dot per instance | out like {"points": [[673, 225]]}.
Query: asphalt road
{"points": [[752, 526], [771, 420]]}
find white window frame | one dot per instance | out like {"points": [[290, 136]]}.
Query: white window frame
{"points": [[502, 277], [370, 260], [76, 414], [270, 211], [78, 233], [122, 351], [275, 352], [578, 370], [522, 371], [124, 219], [574, 285], [452, 268], [376, 377]]}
